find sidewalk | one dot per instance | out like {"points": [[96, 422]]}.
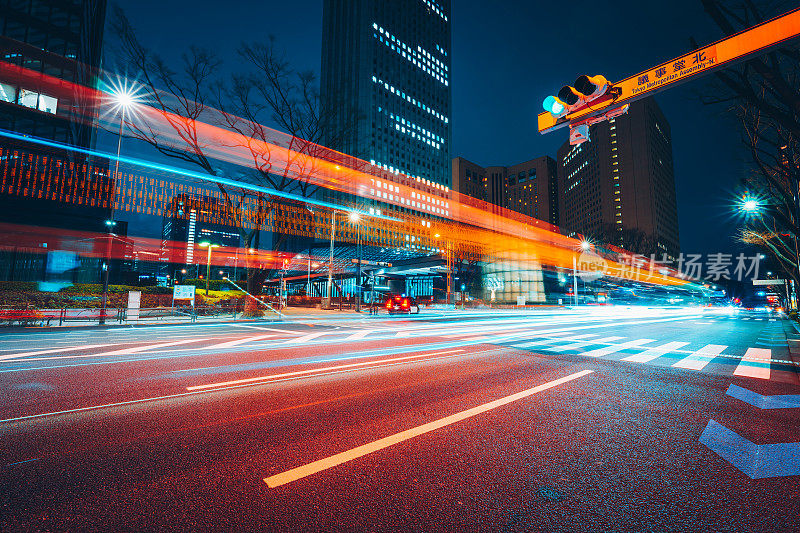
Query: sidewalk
{"points": [[290, 314]]}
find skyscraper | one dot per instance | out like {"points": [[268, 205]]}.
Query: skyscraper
{"points": [[529, 188], [386, 84], [622, 182], [59, 39], [48, 50]]}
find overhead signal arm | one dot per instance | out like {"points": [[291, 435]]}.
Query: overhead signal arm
{"points": [[593, 99]]}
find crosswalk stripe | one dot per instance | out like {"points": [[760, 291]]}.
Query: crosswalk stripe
{"points": [[549, 340], [755, 364], [403, 333], [582, 344], [237, 342], [148, 347], [655, 352], [360, 334], [308, 337], [600, 352], [54, 350], [699, 359]]}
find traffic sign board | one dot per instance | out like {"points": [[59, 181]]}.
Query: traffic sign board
{"points": [[769, 281]]}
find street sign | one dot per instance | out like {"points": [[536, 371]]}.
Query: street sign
{"points": [[769, 281], [134, 301], [183, 292], [364, 262], [702, 61]]}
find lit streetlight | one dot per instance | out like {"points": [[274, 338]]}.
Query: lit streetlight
{"points": [[206, 244], [355, 218], [124, 101]]}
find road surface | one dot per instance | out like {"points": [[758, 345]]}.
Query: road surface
{"points": [[605, 419]]}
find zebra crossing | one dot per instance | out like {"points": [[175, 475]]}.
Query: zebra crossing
{"points": [[759, 363]]}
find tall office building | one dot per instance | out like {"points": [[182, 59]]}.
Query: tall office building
{"points": [[529, 188], [622, 181], [386, 84], [48, 49], [59, 39]]}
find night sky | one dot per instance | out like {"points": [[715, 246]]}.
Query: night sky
{"points": [[505, 61]]}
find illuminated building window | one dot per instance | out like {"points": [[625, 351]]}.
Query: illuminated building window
{"points": [[8, 93], [28, 98]]}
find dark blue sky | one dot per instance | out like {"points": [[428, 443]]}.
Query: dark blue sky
{"points": [[507, 56]]}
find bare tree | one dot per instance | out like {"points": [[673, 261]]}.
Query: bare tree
{"points": [[764, 94], [268, 90]]}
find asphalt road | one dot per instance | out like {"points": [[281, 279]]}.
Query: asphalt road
{"points": [[606, 419]]}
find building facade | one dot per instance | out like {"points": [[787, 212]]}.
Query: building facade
{"points": [[621, 184], [49, 49], [185, 226], [386, 84], [530, 188], [61, 39]]}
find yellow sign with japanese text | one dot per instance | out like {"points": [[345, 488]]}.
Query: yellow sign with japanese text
{"points": [[725, 52]]}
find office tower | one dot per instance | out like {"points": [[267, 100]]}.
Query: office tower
{"points": [[622, 182], [529, 188], [386, 84]]}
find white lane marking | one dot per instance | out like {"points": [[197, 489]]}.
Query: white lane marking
{"points": [[755, 363], [699, 359], [270, 377], [237, 342], [404, 333], [746, 318], [655, 352], [600, 352], [552, 340], [308, 337], [329, 462], [582, 344], [54, 350]]}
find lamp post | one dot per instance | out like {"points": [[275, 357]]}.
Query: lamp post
{"points": [[355, 218], [330, 259], [754, 207], [206, 244], [124, 100]]}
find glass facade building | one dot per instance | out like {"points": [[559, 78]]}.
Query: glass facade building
{"points": [[386, 84]]}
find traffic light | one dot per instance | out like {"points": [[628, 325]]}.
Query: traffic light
{"points": [[571, 98]]}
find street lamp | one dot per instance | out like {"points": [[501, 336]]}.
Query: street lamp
{"points": [[124, 99], [206, 244], [355, 218]]}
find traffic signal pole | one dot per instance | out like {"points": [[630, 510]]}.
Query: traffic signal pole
{"points": [[724, 53]]}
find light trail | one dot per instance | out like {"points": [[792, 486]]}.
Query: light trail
{"points": [[496, 234], [204, 391], [314, 371]]}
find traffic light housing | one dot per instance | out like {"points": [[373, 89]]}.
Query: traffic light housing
{"points": [[571, 98], [591, 87]]}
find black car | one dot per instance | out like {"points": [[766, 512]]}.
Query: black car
{"points": [[397, 303]]}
